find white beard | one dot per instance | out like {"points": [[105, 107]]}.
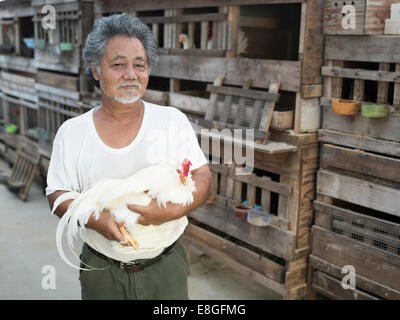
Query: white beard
{"points": [[130, 98]]}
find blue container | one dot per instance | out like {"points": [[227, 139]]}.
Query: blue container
{"points": [[30, 43]]}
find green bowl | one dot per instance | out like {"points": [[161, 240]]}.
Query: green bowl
{"points": [[66, 46], [375, 110], [11, 128]]}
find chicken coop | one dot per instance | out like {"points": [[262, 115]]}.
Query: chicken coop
{"points": [[320, 102], [18, 107], [357, 220]]}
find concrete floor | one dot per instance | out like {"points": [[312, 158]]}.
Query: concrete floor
{"points": [[27, 249]]}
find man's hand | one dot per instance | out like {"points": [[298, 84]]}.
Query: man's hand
{"points": [[107, 226], [153, 214]]}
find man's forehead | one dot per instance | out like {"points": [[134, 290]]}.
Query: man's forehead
{"points": [[120, 56], [121, 47]]}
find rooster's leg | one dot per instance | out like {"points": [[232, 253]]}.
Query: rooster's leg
{"points": [[128, 238]]}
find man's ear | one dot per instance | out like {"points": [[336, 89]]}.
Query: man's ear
{"points": [[96, 76]]}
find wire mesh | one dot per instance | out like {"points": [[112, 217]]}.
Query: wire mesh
{"points": [[373, 233]]}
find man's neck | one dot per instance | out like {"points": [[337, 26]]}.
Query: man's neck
{"points": [[119, 112]]}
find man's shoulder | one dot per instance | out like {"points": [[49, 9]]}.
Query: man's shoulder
{"points": [[163, 109], [74, 125]]}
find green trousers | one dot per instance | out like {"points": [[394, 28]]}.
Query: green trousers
{"points": [[163, 280]]}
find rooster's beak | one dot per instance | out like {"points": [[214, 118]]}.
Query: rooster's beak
{"points": [[183, 178]]}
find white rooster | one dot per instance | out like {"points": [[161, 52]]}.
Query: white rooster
{"points": [[164, 182]]}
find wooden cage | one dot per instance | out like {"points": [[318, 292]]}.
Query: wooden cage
{"points": [[54, 107], [357, 223], [242, 39], [281, 184]]}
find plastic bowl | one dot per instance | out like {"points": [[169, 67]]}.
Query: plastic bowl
{"points": [[66, 46], [345, 107], [240, 210], [30, 43], [374, 110], [259, 218]]}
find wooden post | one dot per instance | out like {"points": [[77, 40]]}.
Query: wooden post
{"points": [[396, 92], [383, 87], [17, 36], [233, 24]]}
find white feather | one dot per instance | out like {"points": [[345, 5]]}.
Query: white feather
{"points": [[160, 181]]}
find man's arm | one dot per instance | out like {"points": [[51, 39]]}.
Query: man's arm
{"points": [[105, 225], [153, 214]]}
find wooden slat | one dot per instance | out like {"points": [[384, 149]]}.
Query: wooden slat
{"points": [[246, 93], [206, 69], [227, 108], [308, 165], [335, 290], [386, 129], [271, 239], [251, 195], [362, 283], [241, 105], [359, 192], [212, 107], [233, 25], [266, 198], [396, 91], [269, 107], [196, 52], [239, 259], [56, 80], [383, 87], [337, 83], [255, 118], [358, 93], [203, 35], [236, 252], [311, 46], [191, 27], [382, 75], [183, 18], [359, 161], [333, 248], [369, 49]]}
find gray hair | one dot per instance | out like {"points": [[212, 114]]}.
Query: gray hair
{"points": [[107, 27]]}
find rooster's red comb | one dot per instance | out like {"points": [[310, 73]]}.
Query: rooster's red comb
{"points": [[185, 167]]}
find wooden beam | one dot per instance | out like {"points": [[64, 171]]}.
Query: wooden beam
{"points": [[246, 93], [270, 239], [206, 69], [380, 267], [382, 48], [391, 148], [359, 161], [381, 75], [360, 192], [120, 5], [361, 282]]}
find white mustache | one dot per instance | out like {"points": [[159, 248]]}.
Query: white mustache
{"points": [[129, 84]]}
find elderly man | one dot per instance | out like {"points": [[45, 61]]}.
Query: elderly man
{"points": [[118, 138]]}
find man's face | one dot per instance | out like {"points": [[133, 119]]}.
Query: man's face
{"points": [[124, 71]]}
